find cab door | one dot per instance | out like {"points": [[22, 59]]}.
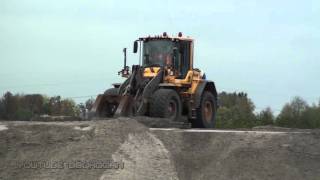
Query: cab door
{"points": [[184, 59]]}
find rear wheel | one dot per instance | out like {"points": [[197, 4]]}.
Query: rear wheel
{"points": [[206, 112], [166, 103]]}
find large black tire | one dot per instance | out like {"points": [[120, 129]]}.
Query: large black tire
{"points": [[109, 108], [206, 113], [166, 103]]}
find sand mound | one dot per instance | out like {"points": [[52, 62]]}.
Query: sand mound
{"points": [[134, 151]]}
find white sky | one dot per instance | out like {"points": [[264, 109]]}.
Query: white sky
{"points": [[267, 48]]}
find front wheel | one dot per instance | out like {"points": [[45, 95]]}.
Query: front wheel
{"points": [[206, 113], [166, 103]]}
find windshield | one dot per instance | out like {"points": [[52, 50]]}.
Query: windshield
{"points": [[157, 52]]}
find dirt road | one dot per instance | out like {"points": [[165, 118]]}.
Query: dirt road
{"points": [[138, 152]]}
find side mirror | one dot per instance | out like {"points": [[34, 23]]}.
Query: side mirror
{"points": [[135, 47]]}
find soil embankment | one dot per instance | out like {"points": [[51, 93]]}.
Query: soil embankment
{"points": [[155, 153]]}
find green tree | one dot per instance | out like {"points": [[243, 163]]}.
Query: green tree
{"points": [[236, 111], [265, 117], [10, 103], [224, 118], [68, 107], [34, 102], [54, 105], [291, 114], [310, 117], [46, 105]]}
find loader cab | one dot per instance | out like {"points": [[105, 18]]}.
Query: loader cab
{"points": [[171, 53]]}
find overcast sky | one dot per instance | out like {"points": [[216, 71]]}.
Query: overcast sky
{"points": [[267, 48]]}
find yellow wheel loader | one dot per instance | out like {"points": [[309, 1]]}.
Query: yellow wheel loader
{"points": [[164, 84]]}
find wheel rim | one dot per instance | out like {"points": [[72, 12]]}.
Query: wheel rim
{"points": [[172, 109], [208, 111]]}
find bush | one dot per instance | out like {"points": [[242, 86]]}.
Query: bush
{"points": [[23, 114]]}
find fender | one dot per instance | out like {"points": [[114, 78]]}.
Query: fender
{"points": [[204, 86]]}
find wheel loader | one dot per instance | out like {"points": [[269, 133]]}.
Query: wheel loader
{"points": [[164, 84]]}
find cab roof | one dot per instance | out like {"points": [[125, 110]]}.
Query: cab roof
{"points": [[165, 36]]}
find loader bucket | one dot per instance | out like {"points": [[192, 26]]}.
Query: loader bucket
{"points": [[112, 105]]}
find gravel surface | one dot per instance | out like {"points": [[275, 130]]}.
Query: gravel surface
{"points": [[140, 152]]}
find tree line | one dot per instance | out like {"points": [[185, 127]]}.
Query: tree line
{"points": [[236, 110], [25, 107]]}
